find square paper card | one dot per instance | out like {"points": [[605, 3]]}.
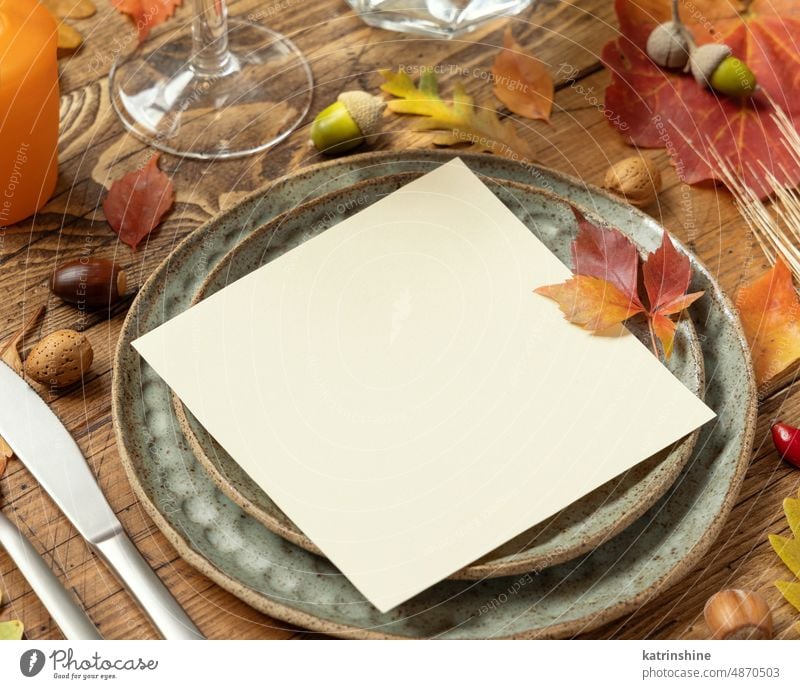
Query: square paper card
{"points": [[400, 392]]}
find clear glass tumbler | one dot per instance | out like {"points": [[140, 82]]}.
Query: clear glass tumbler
{"points": [[436, 18], [214, 89]]}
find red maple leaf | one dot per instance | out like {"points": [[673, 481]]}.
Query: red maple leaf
{"points": [[136, 202], [666, 275], [605, 289], [659, 108], [147, 13], [606, 254]]}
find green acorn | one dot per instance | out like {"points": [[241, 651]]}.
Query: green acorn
{"points": [[354, 118], [713, 65]]}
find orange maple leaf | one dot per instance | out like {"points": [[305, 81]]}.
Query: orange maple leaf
{"points": [[770, 312], [522, 82], [592, 303], [147, 13]]}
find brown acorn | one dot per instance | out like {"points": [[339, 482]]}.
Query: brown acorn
{"points": [[89, 283]]}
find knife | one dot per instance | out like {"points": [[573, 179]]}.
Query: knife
{"points": [[63, 608], [52, 456]]}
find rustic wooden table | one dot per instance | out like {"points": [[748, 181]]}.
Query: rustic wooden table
{"points": [[344, 54]]}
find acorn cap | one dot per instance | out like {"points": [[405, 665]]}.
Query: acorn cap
{"points": [[705, 60], [668, 46], [365, 109]]}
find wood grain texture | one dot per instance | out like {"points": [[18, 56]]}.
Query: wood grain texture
{"points": [[345, 54]]}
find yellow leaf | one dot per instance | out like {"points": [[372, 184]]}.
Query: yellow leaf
{"points": [[460, 120], [68, 38], [11, 630], [70, 9], [792, 508], [790, 591], [788, 550]]}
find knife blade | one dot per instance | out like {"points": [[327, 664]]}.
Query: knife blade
{"points": [[52, 456], [63, 608]]}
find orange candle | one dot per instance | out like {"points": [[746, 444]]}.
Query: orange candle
{"points": [[28, 108]]}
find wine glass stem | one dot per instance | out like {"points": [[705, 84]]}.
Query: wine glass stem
{"points": [[210, 37]]}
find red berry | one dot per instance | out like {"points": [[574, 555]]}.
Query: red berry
{"points": [[787, 442]]}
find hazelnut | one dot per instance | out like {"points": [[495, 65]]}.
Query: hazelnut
{"points": [[738, 614], [636, 178]]}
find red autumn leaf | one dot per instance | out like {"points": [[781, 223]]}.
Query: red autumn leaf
{"points": [[770, 311], [522, 82], [659, 108], [666, 274], [136, 202], [147, 13], [606, 254], [605, 289]]}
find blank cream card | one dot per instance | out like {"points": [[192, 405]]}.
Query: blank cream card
{"points": [[398, 389]]}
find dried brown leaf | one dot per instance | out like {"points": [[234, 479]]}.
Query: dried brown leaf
{"points": [[522, 82], [12, 358], [137, 202], [9, 352]]}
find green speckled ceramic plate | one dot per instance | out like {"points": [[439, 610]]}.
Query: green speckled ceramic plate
{"points": [[572, 532], [289, 583]]}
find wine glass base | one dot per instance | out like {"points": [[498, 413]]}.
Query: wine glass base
{"points": [[258, 98]]}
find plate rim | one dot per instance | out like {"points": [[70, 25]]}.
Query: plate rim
{"points": [[482, 568], [284, 612]]}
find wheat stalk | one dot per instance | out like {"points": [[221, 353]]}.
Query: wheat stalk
{"points": [[775, 224]]}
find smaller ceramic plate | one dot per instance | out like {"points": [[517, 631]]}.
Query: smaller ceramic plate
{"points": [[575, 530]]}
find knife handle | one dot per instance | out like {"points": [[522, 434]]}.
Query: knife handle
{"points": [[127, 564], [65, 611]]}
